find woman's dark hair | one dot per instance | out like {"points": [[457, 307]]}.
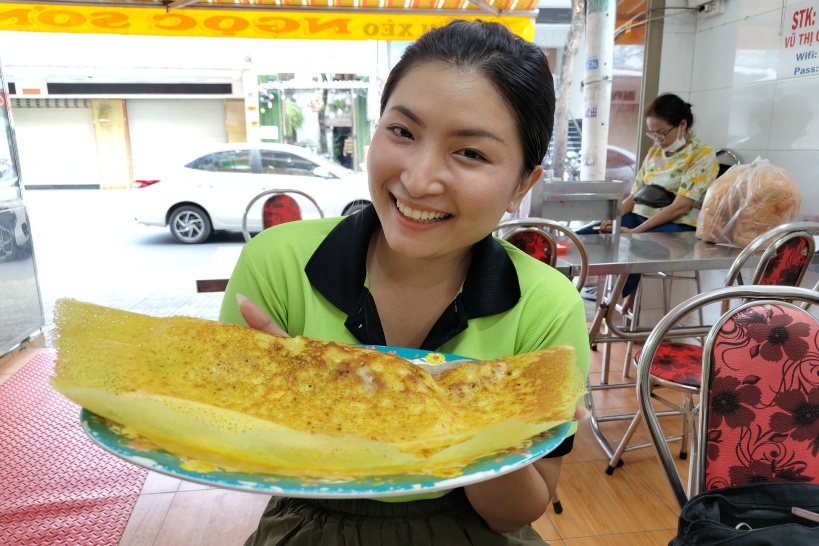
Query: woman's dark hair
{"points": [[516, 68], [671, 109]]}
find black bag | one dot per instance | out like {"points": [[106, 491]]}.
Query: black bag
{"points": [[758, 514], [654, 196]]}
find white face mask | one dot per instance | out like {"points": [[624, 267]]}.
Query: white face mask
{"points": [[678, 143]]}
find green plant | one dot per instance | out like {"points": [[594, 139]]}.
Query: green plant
{"points": [[293, 117]]}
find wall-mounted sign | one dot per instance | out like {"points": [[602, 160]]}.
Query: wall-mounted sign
{"points": [[234, 23], [799, 51]]}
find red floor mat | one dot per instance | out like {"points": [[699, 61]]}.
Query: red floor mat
{"points": [[56, 486]]}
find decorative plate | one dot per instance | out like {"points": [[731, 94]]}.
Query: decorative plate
{"points": [[116, 439]]}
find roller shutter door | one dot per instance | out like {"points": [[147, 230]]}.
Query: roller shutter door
{"points": [[168, 133], [56, 141]]}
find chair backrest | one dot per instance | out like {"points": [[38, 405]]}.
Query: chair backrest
{"points": [[726, 159], [733, 424], [760, 401], [279, 208], [788, 251], [545, 240]]}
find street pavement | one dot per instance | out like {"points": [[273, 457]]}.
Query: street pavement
{"points": [[87, 246]]}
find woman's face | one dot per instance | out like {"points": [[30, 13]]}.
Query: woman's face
{"points": [[663, 133], [445, 161]]}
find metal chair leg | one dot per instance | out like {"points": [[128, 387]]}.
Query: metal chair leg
{"points": [[621, 447], [688, 425], [634, 323]]}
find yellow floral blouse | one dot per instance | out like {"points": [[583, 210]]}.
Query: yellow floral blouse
{"points": [[688, 172]]}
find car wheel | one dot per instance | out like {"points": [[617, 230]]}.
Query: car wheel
{"points": [[190, 225], [354, 207]]}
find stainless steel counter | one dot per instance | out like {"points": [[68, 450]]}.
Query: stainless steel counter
{"points": [[648, 253]]}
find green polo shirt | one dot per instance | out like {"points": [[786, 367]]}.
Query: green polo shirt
{"points": [[310, 277]]}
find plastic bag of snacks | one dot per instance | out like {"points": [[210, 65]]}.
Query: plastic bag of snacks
{"points": [[747, 201]]}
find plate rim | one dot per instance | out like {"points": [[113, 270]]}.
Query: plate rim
{"points": [[324, 490]]}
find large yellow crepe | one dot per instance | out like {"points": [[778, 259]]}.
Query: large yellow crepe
{"points": [[245, 400]]}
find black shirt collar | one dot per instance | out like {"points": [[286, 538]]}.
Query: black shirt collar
{"points": [[338, 269]]}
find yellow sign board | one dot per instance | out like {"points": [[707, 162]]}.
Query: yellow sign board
{"points": [[291, 25]]}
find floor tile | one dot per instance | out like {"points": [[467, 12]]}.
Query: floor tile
{"points": [[653, 538], [596, 504], [160, 483], [545, 528], [211, 517], [146, 519]]}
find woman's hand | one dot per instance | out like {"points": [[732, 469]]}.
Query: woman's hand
{"points": [[605, 226], [256, 318]]}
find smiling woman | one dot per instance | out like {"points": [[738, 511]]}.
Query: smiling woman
{"points": [[466, 116]]}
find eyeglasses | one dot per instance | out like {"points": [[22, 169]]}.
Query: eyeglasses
{"points": [[658, 135]]}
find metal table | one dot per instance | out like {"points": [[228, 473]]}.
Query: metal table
{"points": [[648, 253], [577, 201]]}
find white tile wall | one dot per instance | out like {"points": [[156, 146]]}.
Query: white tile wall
{"points": [[737, 53], [796, 112], [679, 20], [677, 60], [738, 118]]}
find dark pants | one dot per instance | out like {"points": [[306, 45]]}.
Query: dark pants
{"points": [[446, 521], [631, 221]]}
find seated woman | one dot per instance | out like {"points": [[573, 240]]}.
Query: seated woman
{"points": [[670, 186]]}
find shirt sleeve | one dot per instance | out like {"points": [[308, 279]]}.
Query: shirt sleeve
{"points": [[569, 328], [553, 315], [258, 286]]}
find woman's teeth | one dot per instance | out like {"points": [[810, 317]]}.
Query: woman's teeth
{"points": [[420, 215]]}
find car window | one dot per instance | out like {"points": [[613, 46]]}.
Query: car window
{"points": [[228, 161], [285, 163]]}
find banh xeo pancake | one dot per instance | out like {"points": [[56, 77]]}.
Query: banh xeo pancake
{"points": [[242, 399]]}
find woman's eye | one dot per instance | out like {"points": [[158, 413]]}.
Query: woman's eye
{"points": [[402, 132], [473, 154]]}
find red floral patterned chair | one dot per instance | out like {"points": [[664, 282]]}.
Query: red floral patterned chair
{"points": [[788, 251], [545, 240], [279, 208], [760, 416]]}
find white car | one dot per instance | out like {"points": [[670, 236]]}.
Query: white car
{"points": [[212, 191]]}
